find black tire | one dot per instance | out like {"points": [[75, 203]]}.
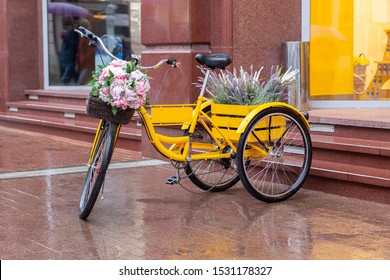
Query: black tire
{"points": [[97, 169], [214, 175], [278, 173]]}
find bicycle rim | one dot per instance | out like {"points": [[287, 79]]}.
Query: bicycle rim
{"points": [[211, 175], [97, 169], [274, 155]]}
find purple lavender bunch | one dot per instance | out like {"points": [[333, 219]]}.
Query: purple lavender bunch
{"points": [[242, 88]]}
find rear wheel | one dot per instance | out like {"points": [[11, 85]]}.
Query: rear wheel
{"points": [[98, 167], [213, 175], [274, 154]]}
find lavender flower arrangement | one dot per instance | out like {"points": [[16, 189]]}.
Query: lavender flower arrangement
{"points": [[243, 88]]}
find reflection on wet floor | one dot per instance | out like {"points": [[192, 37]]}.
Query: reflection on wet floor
{"points": [[141, 217], [138, 220]]}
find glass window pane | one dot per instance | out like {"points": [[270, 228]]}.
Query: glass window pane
{"points": [[350, 50], [372, 49], [71, 59]]}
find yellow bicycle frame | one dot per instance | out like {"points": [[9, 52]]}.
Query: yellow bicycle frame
{"points": [[183, 148], [96, 140]]}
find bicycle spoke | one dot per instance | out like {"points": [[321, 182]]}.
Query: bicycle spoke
{"points": [[278, 174]]}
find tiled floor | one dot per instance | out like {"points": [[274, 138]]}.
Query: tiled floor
{"points": [[142, 218]]}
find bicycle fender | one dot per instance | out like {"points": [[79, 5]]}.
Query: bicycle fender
{"points": [[262, 107]]}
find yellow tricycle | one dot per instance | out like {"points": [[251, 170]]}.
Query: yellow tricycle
{"points": [[266, 147]]}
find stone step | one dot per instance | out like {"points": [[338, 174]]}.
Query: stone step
{"points": [[351, 152], [352, 145], [353, 123], [370, 184], [346, 172], [129, 137], [360, 152], [47, 109], [350, 131], [54, 110], [76, 97]]}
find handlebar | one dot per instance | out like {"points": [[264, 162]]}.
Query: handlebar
{"points": [[95, 41]]}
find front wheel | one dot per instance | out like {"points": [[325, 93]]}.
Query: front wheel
{"points": [[274, 154], [97, 167]]}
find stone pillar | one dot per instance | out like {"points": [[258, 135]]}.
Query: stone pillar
{"points": [[4, 53], [175, 28], [179, 29], [20, 48], [222, 26]]}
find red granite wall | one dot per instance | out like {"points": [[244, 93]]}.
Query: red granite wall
{"points": [[175, 28], [260, 27], [221, 26], [20, 48], [180, 29], [252, 31]]}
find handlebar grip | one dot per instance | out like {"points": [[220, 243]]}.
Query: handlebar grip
{"points": [[96, 41], [135, 58], [172, 62], [85, 33]]}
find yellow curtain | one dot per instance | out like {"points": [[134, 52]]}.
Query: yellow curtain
{"points": [[331, 47]]}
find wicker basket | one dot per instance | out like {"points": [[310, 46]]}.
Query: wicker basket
{"points": [[101, 110]]}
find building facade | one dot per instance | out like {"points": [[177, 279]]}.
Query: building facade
{"points": [[44, 70], [252, 31]]}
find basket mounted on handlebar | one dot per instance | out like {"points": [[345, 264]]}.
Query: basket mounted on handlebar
{"points": [[98, 109], [119, 88]]}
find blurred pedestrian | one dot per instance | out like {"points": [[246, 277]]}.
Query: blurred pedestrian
{"points": [[68, 52], [85, 57]]}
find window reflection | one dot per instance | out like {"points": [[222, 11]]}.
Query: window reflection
{"points": [[71, 59]]}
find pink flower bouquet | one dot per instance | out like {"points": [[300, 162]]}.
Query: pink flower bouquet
{"points": [[121, 84]]}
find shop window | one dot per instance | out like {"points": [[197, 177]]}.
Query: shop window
{"points": [[70, 61], [350, 50]]}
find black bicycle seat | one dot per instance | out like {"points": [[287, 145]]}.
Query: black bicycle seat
{"points": [[217, 60]]}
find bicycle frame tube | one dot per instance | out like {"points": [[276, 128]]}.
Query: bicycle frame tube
{"points": [[184, 143], [95, 142], [157, 139], [182, 147], [216, 140]]}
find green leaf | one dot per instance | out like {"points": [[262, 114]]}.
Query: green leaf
{"points": [[106, 79], [95, 92], [114, 110], [129, 68]]}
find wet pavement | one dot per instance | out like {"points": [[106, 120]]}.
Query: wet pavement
{"points": [[141, 217]]}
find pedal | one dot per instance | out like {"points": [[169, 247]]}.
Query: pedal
{"points": [[171, 180]]}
